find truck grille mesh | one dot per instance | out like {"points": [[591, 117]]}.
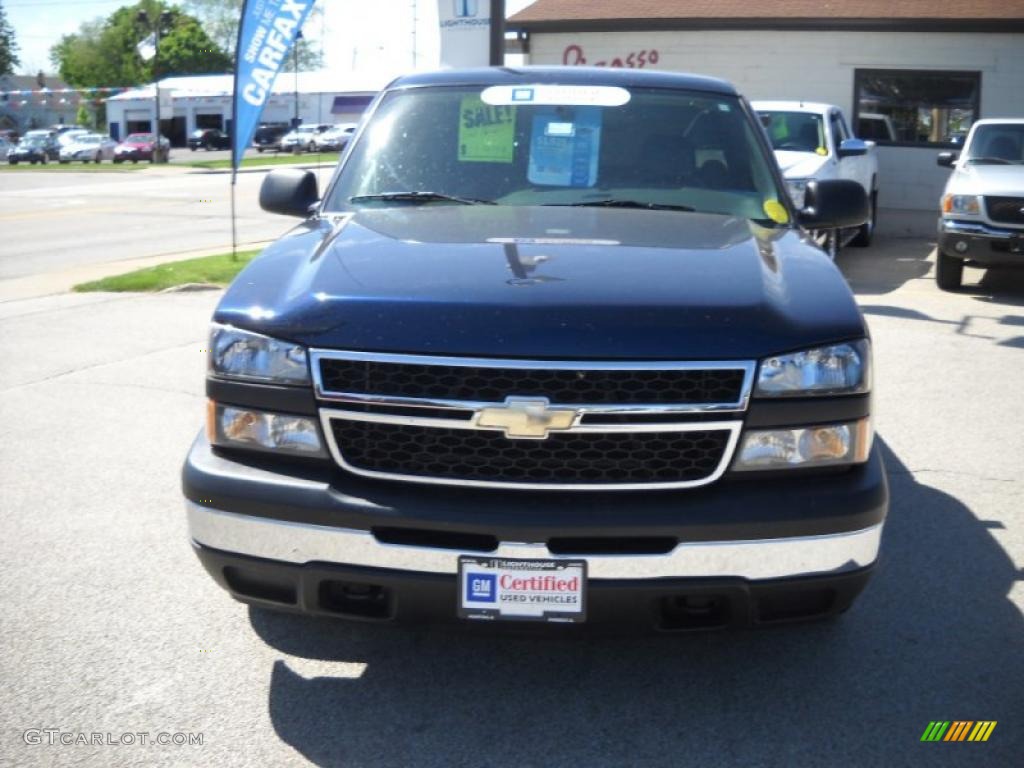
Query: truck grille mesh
{"points": [[1007, 210], [564, 387], [573, 458]]}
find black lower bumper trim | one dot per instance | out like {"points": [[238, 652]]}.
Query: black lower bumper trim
{"points": [[983, 250], [667, 605]]}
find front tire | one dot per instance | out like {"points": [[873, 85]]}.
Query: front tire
{"points": [[867, 229], [831, 245], [949, 272]]}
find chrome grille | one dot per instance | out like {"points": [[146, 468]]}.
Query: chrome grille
{"points": [[576, 458], [1005, 210], [572, 425], [568, 386]]}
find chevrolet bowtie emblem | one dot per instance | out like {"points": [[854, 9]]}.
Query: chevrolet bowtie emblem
{"points": [[526, 418]]}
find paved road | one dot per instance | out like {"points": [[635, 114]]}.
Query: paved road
{"points": [[109, 623], [54, 220]]}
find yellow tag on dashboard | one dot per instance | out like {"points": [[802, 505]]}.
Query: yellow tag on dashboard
{"points": [[821, 151], [776, 211]]}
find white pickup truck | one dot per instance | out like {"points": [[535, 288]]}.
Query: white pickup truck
{"points": [[813, 142]]}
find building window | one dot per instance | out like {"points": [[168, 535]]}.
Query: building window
{"points": [[912, 108]]}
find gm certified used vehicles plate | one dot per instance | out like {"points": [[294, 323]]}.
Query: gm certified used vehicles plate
{"points": [[539, 590], [553, 345]]}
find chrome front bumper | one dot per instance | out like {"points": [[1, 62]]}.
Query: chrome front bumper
{"points": [[977, 229], [759, 559]]}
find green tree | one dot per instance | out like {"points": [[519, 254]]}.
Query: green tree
{"points": [[84, 117], [8, 45], [220, 21], [104, 52]]}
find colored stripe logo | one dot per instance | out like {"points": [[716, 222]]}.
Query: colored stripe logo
{"points": [[958, 730]]}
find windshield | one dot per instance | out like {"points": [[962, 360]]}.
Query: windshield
{"points": [[88, 140], [139, 138], [659, 149], [997, 144], [795, 131]]}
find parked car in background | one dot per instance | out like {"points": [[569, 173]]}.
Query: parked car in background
{"points": [[208, 138], [335, 138], [982, 208], [5, 147], [303, 138], [812, 143], [268, 136], [61, 128], [35, 147], [71, 135], [91, 147], [141, 146]]}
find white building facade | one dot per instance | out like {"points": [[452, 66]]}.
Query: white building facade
{"points": [[929, 84], [205, 101]]}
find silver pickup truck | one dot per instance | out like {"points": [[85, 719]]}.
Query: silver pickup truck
{"points": [[813, 142], [982, 207]]}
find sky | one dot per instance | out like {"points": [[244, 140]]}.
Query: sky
{"points": [[354, 33]]}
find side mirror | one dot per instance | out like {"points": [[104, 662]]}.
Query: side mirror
{"points": [[947, 159], [289, 191], [853, 148], [834, 204]]}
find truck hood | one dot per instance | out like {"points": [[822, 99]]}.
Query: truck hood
{"points": [[544, 282], [799, 165], [996, 180]]}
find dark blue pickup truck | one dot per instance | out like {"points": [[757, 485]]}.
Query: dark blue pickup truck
{"points": [[553, 345]]}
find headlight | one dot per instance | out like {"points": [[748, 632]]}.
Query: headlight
{"points": [[797, 191], [839, 369], [963, 204], [242, 354], [260, 430], [824, 445]]}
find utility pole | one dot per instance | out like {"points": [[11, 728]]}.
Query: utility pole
{"points": [[295, 63], [497, 33], [164, 17], [415, 22]]}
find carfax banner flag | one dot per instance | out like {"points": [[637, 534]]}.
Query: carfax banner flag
{"points": [[266, 34]]}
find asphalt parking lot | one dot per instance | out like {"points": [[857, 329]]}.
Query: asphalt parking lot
{"points": [[111, 626]]}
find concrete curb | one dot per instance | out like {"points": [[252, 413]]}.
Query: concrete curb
{"points": [[34, 286], [264, 168], [192, 288]]}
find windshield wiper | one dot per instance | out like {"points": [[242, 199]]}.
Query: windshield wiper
{"points": [[615, 203], [996, 160], [420, 197]]}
